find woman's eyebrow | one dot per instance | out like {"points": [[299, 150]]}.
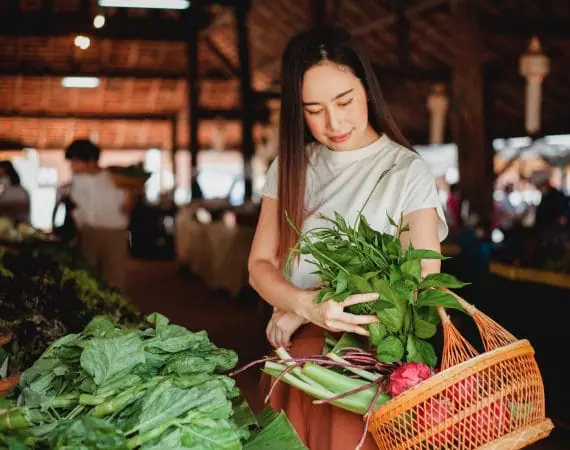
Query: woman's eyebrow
{"points": [[342, 94]]}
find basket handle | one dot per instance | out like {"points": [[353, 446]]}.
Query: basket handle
{"points": [[456, 349]]}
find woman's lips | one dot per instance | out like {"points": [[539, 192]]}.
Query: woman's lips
{"points": [[340, 138]]}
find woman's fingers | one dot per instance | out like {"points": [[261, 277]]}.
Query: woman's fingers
{"points": [[344, 326], [357, 319], [360, 298]]}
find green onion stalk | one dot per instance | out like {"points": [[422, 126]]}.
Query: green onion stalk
{"points": [[351, 379]]}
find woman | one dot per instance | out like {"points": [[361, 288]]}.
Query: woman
{"points": [[336, 138], [14, 199]]}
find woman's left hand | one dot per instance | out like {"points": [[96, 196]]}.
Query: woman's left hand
{"points": [[281, 327]]}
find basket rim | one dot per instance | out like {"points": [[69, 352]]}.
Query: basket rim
{"points": [[443, 379]]}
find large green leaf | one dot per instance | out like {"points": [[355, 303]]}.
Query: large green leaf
{"points": [[412, 267], [104, 357], [390, 350], [422, 328], [377, 333], [174, 338], [441, 280], [425, 254], [166, 402], [360, 284], [209, 434], [278, 434], [86, 433], [420, 351], [434, 297], [347, 340]]}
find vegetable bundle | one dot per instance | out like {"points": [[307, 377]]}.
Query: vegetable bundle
{"points": [[112, 387]]}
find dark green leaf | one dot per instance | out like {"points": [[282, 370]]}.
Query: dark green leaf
{"points": [[441, 280], [377, 333], [279, 434], [390, 350], [405, 289], [412, 267], [347, 340], [360, 284], [434, 297], [424, 254], [104, 357], [340, 222], [428, 314], [395, 274], [422, 328], [87, 433], [384, 288], [420, 351], [341, 282]]}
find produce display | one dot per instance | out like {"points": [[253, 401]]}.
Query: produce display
{"points": [[96, 374], [154, 387], [48, 290]]}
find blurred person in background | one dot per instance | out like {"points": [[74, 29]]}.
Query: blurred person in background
{"points": [[102, 213], [453, 209], [14, 199], [553, 211]]}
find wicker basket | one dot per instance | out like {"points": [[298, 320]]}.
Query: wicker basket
{"points": [[490, 401]]}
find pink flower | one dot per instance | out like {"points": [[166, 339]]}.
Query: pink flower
{"points": [[407, 376]]}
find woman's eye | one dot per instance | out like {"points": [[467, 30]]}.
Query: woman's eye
{"points": [[313, 112], [346, 103]]}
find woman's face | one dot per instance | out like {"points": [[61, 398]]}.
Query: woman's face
{"points": [[335, 107]]}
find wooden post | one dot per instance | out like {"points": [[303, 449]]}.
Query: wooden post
{"points": [[193, 98], [174, 145], [247, 96], [467, 111]]}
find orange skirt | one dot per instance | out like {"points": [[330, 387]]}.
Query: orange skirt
{"points": [[320, 427]]}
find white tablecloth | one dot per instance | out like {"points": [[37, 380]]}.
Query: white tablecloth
{"points": [[215, 252]]}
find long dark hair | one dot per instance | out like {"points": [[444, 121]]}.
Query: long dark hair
{"points": [[11, 173], [305, 50]]}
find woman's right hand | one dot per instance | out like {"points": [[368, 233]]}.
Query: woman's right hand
{"points": [[331, 316]]}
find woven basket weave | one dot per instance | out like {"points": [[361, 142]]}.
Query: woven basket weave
{"points": [[490, 401]]}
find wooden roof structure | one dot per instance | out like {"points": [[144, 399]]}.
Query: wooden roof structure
{"points": [[141, 57]]}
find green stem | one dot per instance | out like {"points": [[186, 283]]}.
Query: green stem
{"points": [[283, 354], [360, 372], [321, 392]]}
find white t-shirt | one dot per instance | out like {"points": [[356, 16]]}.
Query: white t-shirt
{"points": [[98, 201], [341, 182]]}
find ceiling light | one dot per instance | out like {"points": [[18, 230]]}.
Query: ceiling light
{"points": [[156, 4], [83, 42], [99, 21], [80, 82]]}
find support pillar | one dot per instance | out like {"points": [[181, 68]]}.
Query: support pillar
{"points": [[467, 112], [247, 97]]}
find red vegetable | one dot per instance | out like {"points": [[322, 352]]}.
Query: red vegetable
{"points": [[490, 422], [433, 413]]}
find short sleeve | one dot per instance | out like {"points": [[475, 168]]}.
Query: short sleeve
{"points": [[271, 186], [420, 192]]}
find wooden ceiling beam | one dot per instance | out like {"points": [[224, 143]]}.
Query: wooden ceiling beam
{"points": [[227, 64], [136, 117], [204, 113]]}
